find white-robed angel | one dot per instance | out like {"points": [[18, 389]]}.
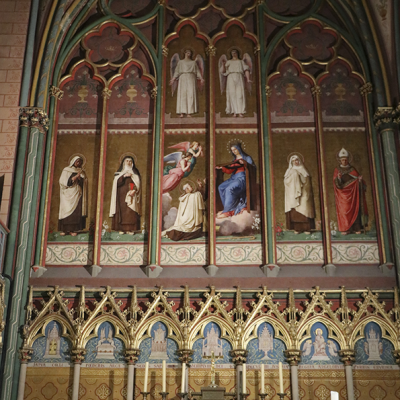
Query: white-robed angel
{"points": [[234, 77], [73, 198], [187, 75], [125, 208]]}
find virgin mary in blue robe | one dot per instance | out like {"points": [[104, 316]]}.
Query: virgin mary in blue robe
{"points": [[237, 193]]}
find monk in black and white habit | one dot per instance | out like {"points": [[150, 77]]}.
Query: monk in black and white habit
{"points": [[125, 198], [189, 219], [73, 198], [299, 198]]}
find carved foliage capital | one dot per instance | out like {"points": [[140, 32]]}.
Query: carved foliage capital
{"points": [[347, 356], [211, 50], [396, 354], [106, 93], [366, 89], [316, 90], [383, 117], [239, 357], [268, 90], [56, 92], [293, 356], [25, 354], [185, 355], [132, 355], [78, 355], [164, 51], [154, 92], [34, 117]]}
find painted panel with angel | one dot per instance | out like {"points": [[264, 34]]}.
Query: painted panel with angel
{"points": [[187, 77], [235, 77]]}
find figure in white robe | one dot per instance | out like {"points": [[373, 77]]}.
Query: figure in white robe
{"points": [[73, 198], [234, 77], [189, 220], [185, 74], [299, 198], [125, 207]]}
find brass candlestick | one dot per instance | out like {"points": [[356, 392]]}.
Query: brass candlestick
{"points": [[145, 394], [164, 395], [244, 396], [282, 395], [182, 395], [262, 395]]}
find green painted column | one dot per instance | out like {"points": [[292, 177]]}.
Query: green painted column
{"points": [[34, 124], [384, 119]]}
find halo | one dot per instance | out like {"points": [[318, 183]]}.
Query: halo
{"points": [[188, 48], [319, 330], [235, 141], [190, 182], [350, 157], [128, 154], [234, 48], [295, 153], [80, 156]]}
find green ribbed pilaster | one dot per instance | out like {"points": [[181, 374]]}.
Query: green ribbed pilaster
{"points": [[33, 123]]}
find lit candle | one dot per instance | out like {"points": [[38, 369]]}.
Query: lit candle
{"points": [[280, 378], [164, 376], [183, 378], [262, 379], [334, 396], [244, 379], [146, 376]]}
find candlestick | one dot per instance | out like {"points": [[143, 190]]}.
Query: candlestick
{"points": [[164, 376], [280, 378], [263, 395], [244, 379], [164, 395], [145, 394], [281, 395], [146, 376], [262, 378], [183, 377], [182, 395]]}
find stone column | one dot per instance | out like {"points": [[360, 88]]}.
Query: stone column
{"points": [[185, 356], [293, 357], [25, 356], [131, 357], [239, 358], [384, 119], [348, 357], [77, 357]]}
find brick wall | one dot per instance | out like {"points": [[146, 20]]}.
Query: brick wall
{"points": [[14, 16]]}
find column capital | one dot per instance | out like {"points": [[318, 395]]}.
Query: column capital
{"points": [[383, 118], [347, 356], [396, 114], [211, 50], [56, 92], [25, 354], [106, 93], [293, 356], [165, 50], [239, 356], [154, 92], [316, 90], [78, 355], [185, 355], [132, 355], [34, 117], [268, 90], [396, 354]]}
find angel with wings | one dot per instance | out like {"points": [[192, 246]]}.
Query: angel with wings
{"points": [[179, 164], [185, 74], [234, 76]]}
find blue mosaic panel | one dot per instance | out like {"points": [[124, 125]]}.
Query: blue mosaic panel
{"points": [[373, 349], [105, 348], [159, 347], [265, 349], [320, 349], [212, 342], [42, 346]]}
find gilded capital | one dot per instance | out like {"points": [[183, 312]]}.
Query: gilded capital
{"points": [[366, 89], [293, 356], [211, 50], [164, 51], [396, 354], [154, 92], [56, 92], [78, 355], [25, 354], [185, 355], [106, 93], [316, 90], [347, 356], [384, 117], [239, 357], [268, 90], [34, 117], [257, 49], [132, 355]]}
